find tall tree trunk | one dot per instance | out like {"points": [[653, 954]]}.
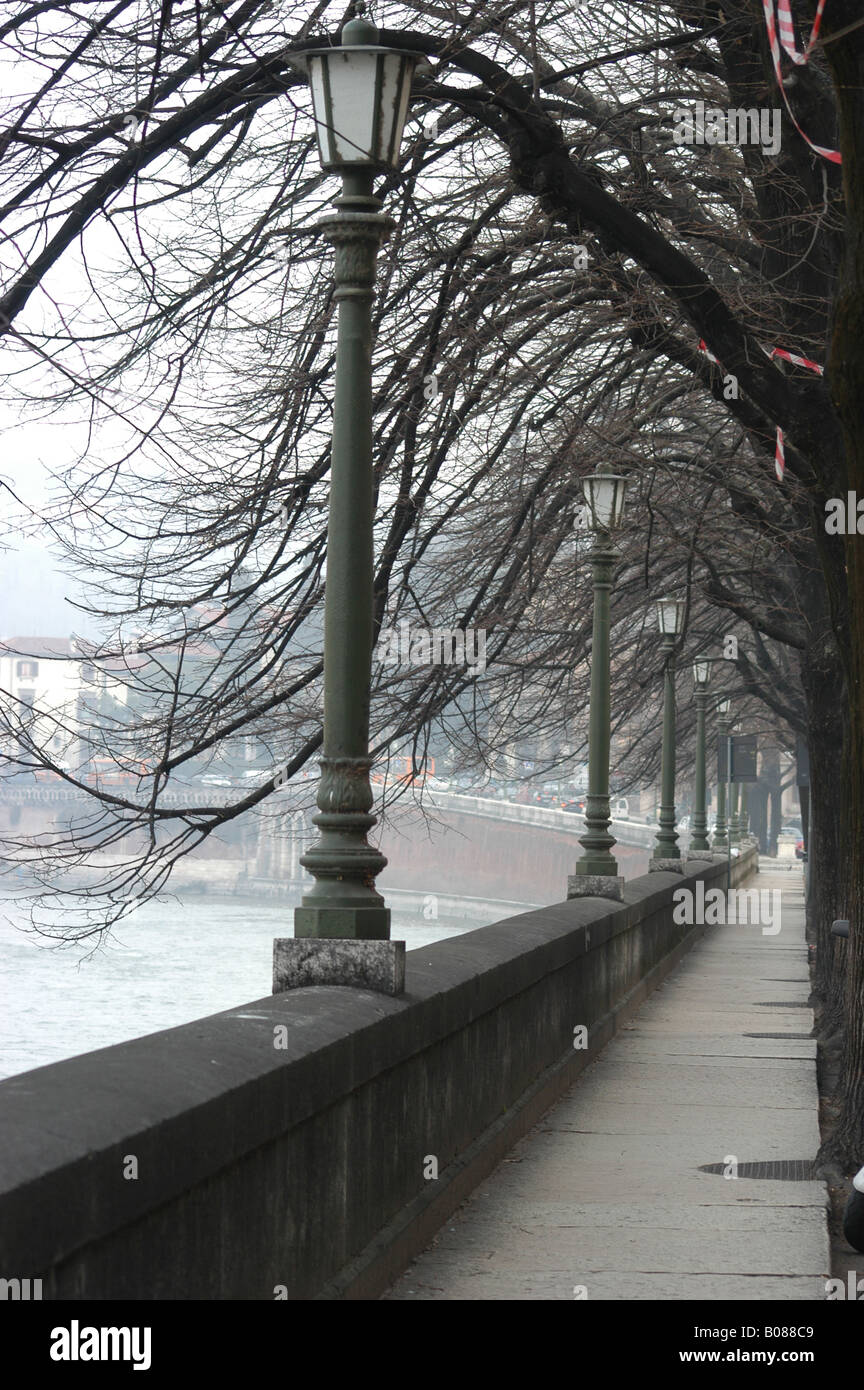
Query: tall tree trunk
{"points": [[827, 737], [846, 379]]}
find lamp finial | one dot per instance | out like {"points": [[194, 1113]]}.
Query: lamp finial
{"points": [[359, 29]]}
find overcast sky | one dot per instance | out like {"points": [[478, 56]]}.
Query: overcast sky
{"points": [[33, 586]]}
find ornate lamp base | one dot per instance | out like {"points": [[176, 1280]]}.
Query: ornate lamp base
{"points": [[343, 901], [350, 923]]}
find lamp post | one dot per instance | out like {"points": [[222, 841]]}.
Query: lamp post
{"points": [[744, 814], [596, 872], [721, 840], [360, 93], [699, 845], [670, 621], [734, 815]]}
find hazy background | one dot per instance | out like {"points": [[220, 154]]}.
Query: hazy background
{"points": [[34, 589]]}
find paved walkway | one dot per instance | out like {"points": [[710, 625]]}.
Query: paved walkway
{"points": [[606, 1194]]}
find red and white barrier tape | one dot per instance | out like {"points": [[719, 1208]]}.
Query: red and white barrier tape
{"points": [[703, 347], [779, 456], [787, 35], [798, 361], [787, 30], [779, 448]]}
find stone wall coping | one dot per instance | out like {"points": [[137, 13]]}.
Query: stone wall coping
{"points": [[162, 1097]]}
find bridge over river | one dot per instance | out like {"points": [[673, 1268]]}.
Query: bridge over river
{"points": [[479, 858]]}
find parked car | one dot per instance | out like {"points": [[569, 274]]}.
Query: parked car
{"points": [[800, 851]]}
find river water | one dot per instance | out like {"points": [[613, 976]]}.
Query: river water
{"points": [[168, 964]]}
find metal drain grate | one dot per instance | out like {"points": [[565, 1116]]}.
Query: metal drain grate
{"points": [[777, 1169], [802, 1037], [781, 1004]]}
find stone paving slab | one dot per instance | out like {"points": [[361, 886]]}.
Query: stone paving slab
{"points": [[534, 1214], [709, 1061], [767, 1084], [743, 1049], [580, 1251], [604, 1182], [662, 1151], [483, 1285], [640, 1117], [605, 1192], [669, 1024]]}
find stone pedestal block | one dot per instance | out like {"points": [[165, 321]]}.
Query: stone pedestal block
{"points": [[595, 886], [302, 961], [666, 866]]}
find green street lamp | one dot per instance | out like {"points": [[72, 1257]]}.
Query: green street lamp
{"points": [[724, 724], [699, 840], [360, 94], [744, 814], [670, 621], [734, 816], [596, 872]]}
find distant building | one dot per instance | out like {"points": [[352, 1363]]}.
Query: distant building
{"points": [[67, 692], [42, 674]]}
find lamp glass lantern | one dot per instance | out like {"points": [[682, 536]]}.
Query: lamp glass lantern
{"points": [[360, 94], [604, 492], [701, 669], [670, 616], [723, 707]]}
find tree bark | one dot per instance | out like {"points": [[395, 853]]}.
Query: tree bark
{"points": [[846, 380]]}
